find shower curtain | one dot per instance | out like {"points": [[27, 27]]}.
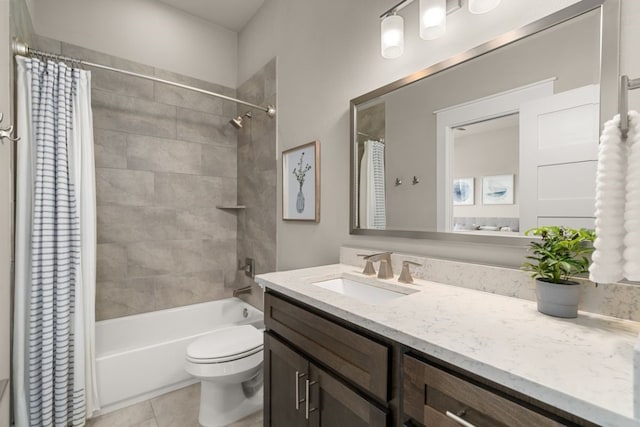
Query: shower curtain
{"points": [[372, 203], [54, 344]]}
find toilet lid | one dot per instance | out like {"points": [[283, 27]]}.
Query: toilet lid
{"points": [[225, 342]]}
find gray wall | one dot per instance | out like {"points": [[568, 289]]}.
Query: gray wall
{"points": [[165, 157], [257, 180]]}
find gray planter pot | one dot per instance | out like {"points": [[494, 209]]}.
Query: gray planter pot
{"points": [[559, 300]]}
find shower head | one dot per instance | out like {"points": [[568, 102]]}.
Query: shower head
{"points": [[237, 121]]}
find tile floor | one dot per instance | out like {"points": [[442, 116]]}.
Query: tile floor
{"points": [[176, 409]]}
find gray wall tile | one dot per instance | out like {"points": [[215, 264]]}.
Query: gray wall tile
{"points": [[124, 187], [163, 155], [94, 56], [181, 289], [257, 182], [206, 128], [124, 297], [111, 262], [219, 160], [126, 224], [133, 115], [110, 149], [206, 223], [188, 191], [165, 257]]}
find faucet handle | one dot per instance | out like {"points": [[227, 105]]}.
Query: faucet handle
{"points": [[405, 275], [369, 270]]}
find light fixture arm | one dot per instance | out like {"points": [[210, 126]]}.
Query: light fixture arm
{"points": [[452, 6]]}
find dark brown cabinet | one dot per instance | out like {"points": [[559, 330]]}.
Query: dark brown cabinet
{"points": [[318, 373], [302, 394]]}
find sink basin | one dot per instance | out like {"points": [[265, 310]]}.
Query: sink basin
{"points": [[364, 292]]}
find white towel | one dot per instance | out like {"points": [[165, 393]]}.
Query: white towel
{"points": [[632, 203], [608, 261]]}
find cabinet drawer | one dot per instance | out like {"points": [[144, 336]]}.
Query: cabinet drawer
{"points": [[430, 392], [361, 360]]}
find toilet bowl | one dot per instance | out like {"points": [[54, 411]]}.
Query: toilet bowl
{"points": [[228, 362]]}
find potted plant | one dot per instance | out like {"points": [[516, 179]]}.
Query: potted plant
{"points": [[559, 254]]}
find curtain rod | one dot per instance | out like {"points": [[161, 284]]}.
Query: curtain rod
{"points": [[23, 49]]}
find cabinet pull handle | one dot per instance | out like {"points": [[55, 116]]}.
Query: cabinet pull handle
{"points": [[307, 411], [298, 400], [459, 420]]}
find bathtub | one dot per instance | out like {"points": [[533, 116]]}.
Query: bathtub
{"points": [[142, 356]]}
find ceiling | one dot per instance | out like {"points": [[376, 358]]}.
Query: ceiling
{"points": [[230, 14]]}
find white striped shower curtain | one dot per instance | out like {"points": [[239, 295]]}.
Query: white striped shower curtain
{"points": [[54, 367], [372, 197]]}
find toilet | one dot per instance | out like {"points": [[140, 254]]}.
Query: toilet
{"points": [[228, 362]]}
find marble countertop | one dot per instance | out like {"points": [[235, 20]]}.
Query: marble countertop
{"points": [[583, 366]]}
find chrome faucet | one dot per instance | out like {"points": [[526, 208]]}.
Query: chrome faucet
{"points": [[385, 271], [405, 275]]}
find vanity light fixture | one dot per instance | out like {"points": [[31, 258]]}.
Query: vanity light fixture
{"points": [[482, 6], [433, 18], [392, 36], [433, 21]]}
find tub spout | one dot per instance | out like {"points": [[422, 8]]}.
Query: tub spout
{"points": [[245, 290]]}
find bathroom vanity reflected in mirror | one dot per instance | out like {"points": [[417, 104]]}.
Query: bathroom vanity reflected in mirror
{"points": [[492, 142]]}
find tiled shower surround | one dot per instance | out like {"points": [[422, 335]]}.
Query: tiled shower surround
{"points": [[165, 158], [257, 180]]}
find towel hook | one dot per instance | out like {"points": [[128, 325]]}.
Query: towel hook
{"points": [[5, 133]]}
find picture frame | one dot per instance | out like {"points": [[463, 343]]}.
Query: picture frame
{"points": [[464, 192], [497, 190], [301, 183]]}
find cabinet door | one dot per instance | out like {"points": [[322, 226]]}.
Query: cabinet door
{"points": [[285, 375], [333, 404]]}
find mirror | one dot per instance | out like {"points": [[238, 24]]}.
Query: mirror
{"points": [[494, 141]]}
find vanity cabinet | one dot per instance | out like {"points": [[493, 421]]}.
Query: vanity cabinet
{"points": [[319, 373]]}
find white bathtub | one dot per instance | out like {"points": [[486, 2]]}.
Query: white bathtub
{"points": [[142, 356]]}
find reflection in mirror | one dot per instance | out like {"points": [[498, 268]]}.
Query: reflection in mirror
{"points": [[527, 154], [485, 176]]}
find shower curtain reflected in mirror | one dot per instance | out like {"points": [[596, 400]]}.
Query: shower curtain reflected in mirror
{"points": [[54, 375], [372, 203]]}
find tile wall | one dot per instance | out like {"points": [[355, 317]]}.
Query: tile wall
{"points": [[165, 158], [257, 152]]}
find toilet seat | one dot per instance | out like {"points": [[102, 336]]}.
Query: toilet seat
{"points": [[225, 345]]}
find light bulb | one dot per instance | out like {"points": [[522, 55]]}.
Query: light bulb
{"points": [[433, 18], [482, 6], [392, 36]]}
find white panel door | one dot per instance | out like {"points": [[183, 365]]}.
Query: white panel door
{"points": [[558, 158]]}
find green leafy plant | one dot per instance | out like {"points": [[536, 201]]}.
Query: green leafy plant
{"points": [[561, 253]]}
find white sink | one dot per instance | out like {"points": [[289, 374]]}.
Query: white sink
{"points": [[364, 292]]}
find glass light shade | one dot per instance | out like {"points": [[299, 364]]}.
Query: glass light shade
{"points": [[392, 36], [433, 18], [482, 6]]}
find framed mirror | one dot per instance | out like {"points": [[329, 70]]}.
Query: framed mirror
{"points": [[491, 142]]}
